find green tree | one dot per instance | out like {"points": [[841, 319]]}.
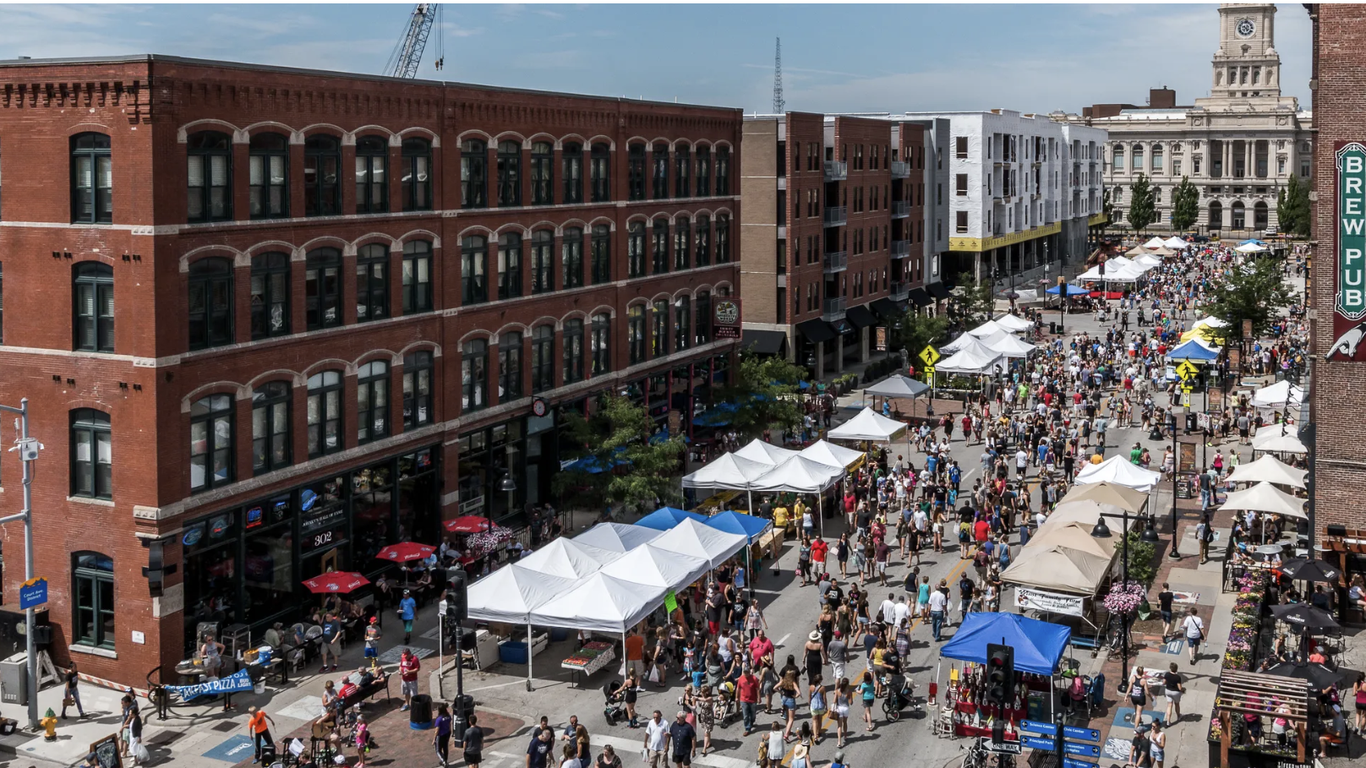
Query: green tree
{"points": [[977, 302], [767, 389], [1253, 292], [1292, 208], [1142, 205], [1185, 205], [1107, 206], [617, 463], [916, 331], [1140, 563]]}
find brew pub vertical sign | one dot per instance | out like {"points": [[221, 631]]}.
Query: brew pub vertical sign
{"points": [[726, 318], [1349, 298]]}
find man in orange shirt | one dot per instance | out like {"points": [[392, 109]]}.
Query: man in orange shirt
{"points": [[635, 649], [260, 732]]}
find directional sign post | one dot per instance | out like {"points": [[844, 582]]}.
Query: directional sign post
{"points": [[1041, 729], [929, 355], [1037, 742], [1004, 748], [1080, 734], [1072, 762], [1081, 750], [33, 593]]}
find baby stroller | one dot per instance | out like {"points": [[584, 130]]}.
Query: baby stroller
{"points": [[612, 708], [726, 706], [899, 690]]}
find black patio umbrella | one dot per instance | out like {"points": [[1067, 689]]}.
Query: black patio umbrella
{"points": [[1318, 675], [1304, 569], [1305, 617]]}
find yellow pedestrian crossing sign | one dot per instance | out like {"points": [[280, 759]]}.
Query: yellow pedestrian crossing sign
{"points": [[929, 355], [929, 370], [1187, 371], [1186, 399]]}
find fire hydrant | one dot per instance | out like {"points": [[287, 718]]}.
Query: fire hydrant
{"points": [[49, 723]]}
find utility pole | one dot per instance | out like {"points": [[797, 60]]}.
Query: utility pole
{"points": [[28, 449], [779, 106]]}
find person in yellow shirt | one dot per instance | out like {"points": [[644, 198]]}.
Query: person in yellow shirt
{"points": [[780, 517]]}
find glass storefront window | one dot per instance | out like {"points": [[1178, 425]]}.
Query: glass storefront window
{"points": [[268, 573], [372, 512]]}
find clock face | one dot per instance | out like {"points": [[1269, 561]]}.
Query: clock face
{"points": [[1246, 27]]}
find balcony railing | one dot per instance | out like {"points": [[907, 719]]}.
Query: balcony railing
{"points": [[833, 309], [900, 291], [901, 249], [836, 170], [901, 209], [836, 216], [836, 261], [901, 169]]}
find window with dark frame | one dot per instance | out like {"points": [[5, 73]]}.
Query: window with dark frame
{"points": [[722, 171], [92, 459], [323, 289], [702, 328], [542, 261], [635, 334], [659, 329], [660, 245], [542, 173], [209, 176], [682, 243], [573, 351], [509, 174], [268, 161], [703, 171], [571, 159], [635, 249], [372, 402], [682, 323], [682, 164], [269, 295], [509, 265], [599, 172], [723, 239], [210, 303], [93, 299], [372, 282], [324, 414], [92, 179], [635, 172], [211, 438], [600, 261], [474, 161], [661, 171], [571, 256], [417, 277], [417, 389], [417, 175], [542, 359], [270, 427], [509, 366], [372, 175], [703, 241], [600, 344], [322, 174], [92, 583], [474, 257]]}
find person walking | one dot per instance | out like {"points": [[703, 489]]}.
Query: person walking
{"points": [[938, 603], [73, 693], [1158, 741], [331, 642], [868, 693], [441, 739], [258, 726], [656, 739], [1194, 629], [747, 693], [1174, 687], [372, 637], [682, 741], [817, 697], [472, 742], [407, 610], [408, 666], [844, 699]]}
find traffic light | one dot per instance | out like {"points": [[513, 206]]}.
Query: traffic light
{"points": [[1000, 681], [457, 602]]}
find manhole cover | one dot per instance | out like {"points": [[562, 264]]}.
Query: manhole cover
{"points": [[226, 726]]}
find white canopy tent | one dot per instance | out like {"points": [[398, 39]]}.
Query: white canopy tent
{"points": [[832, 455], [799, 475], [655, 567], [1155, 242], [1271, 440], [897, 385], [694, 539], [601, 603], [728, 471], [1126, 274], [1013, 323], [1148, 261], [1119, 470], [1175, 242], [867, 424], [988, 328], [1211, 321], [617, 537], [1277, 395], [1250, 248], [972, 362], [766, 453], [968, 342], [1265, 497], [1117, 262], [510, 595], [1271, 470], [568, 559], [1009, 345]]}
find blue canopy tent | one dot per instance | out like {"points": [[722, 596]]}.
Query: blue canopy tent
{"points": [[1072, 290], [665, 518], [592, 466], [1254, 240], [718, 415], [749, 526], [1193, 350], [1038, 645]]}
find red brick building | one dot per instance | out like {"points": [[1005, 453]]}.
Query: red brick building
{"points": [[270, 320], [833, 242]]}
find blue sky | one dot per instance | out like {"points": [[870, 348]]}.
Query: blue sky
{"points": [[1035, 58]]}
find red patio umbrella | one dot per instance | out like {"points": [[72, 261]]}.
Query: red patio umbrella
{"points": [[342, 582], [469, 524], [405, 551]]}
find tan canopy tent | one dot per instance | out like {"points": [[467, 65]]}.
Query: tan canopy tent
{"points": [[1058, 568], [1073, 535], [1109, 493], [1085, 512], [1271, 470], [1265, 497]]}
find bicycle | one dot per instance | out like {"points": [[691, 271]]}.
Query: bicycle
{"points": [[977, 755]]}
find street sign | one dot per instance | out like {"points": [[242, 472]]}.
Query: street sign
{"points": [[1187, 371], [32, 593], [1036, 727], [1038, 742], [1186, 399], [929, 370], [1081, 734], [1072, 762], [1004, 748], [1084, 750], [929, 355]]}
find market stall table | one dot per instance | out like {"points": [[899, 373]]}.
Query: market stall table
{"points": [[589, 660]]}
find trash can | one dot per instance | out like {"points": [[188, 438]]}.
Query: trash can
{"points": [[1053, 328], [461, 709], [420, 713]]}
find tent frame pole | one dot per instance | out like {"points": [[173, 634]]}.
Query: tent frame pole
{"points": [[528, 655]]}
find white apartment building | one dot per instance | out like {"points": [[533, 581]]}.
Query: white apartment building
{"points": [[1239, 146], [1022, 192]]}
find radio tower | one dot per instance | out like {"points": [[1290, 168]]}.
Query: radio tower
{"points": [[778, 103]]}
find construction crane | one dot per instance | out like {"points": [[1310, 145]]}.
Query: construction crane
{"points": [[407, 55]]}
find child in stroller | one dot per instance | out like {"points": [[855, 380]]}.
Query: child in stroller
{"points": [[613, 707]]}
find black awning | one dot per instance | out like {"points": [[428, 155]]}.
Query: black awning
{"points": [[938, 290], [919, 298], [763, 342], [887, 308], [860, 316], [816, 331]]}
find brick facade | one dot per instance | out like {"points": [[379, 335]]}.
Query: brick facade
{"points": [[151, 108]]}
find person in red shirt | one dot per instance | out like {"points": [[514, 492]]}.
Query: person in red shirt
{"points": [[818, 551], [760, 647], [408, 665], [980, 529], [747, 692]]}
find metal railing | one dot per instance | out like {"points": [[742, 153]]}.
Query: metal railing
{"points": [[836, 216], [836, 261], [899, 291], [836, 170], [833, 309], [901, 249], [901, 209], [901, 169]]}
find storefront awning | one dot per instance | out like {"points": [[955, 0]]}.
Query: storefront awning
{"points": [[887, 308], [816, 331], [860, 316], [763, 342], [938, 290], [920, 298]]}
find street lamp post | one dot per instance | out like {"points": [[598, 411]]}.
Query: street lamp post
{"points": [[1102, 531], [1174, 554], [28, 448]]}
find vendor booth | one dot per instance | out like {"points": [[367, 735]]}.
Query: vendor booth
{"points": [[664, 518], [1039, 648], [868, 425], [1120, 471]]}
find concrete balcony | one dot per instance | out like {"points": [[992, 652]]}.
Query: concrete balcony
{"points": [[782, 182], [832, 310], [836, 170], [901, 249], [901, 209], [836, 216], [901, 169], [899, 291], [835, 261]]}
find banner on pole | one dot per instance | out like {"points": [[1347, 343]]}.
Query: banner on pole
{"points": [[1050, 602], [237, 681]]}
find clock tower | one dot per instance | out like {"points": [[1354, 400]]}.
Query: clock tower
{"points": [[1247, 65]]}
